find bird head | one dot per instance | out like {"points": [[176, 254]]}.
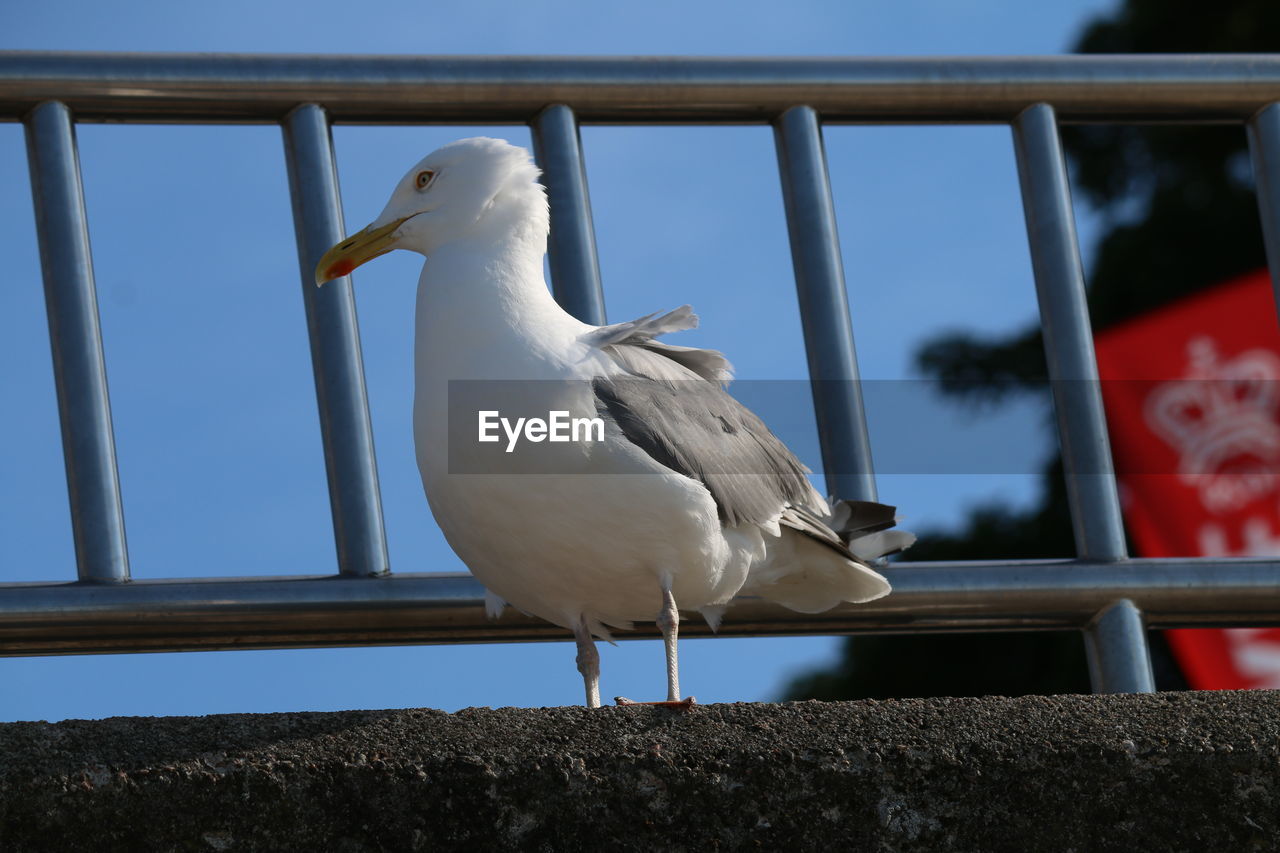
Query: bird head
{"points": [[453, 193]]}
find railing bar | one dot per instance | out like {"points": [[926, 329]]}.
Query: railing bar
{"points": [[75, 335], [462, 89], [824, 306], [1264, 146], [1114, 633], [352, 468], [1116, 647], [176, 614], [571, 249], [1068, 340]]}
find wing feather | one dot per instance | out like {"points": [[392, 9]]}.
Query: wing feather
{"points": [[671, 404]]}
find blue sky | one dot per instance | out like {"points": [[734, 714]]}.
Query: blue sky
{"points": [[206, 344]]}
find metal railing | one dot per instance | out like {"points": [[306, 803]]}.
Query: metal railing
{"points": [[1104, 593]]}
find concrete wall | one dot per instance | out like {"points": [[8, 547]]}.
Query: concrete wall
{"points": [[1164, 772]]}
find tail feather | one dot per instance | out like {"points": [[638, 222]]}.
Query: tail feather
{"points": [[859, 530], [873, 546], [807, 575], [818, 563], [862, 516]]}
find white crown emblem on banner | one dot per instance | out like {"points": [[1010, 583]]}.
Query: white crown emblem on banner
{"points": [[1222, 419]]}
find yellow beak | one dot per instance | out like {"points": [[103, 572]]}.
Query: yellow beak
{"points": [[357, 249]]}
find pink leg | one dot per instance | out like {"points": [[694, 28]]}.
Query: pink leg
{"points": [[588, 663], [669, 624]]}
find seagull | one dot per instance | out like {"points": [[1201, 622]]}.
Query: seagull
{"points": [[672, 494]]}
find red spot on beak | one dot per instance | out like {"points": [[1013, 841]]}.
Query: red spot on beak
{"points": [[338, 270]]}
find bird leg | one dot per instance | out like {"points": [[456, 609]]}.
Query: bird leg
{"points": [[588, 662], [669, 624]]}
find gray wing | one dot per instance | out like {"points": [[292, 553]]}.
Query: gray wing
{"points": [[671, 404]]}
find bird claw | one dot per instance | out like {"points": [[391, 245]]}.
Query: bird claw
{"points": [[682, 705]]}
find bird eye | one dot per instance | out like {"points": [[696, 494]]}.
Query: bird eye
{"points": [[424, 178]]}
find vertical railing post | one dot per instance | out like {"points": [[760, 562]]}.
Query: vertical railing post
{"points": [[1116, 648], [1118, 642], [345, 427], [75, 335], [824, 305], [571, 249], [1264, 146]]}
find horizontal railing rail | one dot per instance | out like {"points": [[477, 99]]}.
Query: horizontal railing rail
{"points": [[449, 89], [282, 612], [1108, 596]]}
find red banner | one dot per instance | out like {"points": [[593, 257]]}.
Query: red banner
{"points": [[1192, 393]]}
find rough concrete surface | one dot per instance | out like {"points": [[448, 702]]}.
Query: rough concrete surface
{"points": [[1176, 771]]}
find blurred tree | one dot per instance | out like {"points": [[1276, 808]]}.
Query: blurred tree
{"points": [[1179, 215]]}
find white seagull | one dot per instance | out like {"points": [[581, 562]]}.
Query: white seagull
{"points": [[679, 495]]}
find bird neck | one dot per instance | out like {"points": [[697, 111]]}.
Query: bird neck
{"points": [[488, 294], [488, 277]]}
